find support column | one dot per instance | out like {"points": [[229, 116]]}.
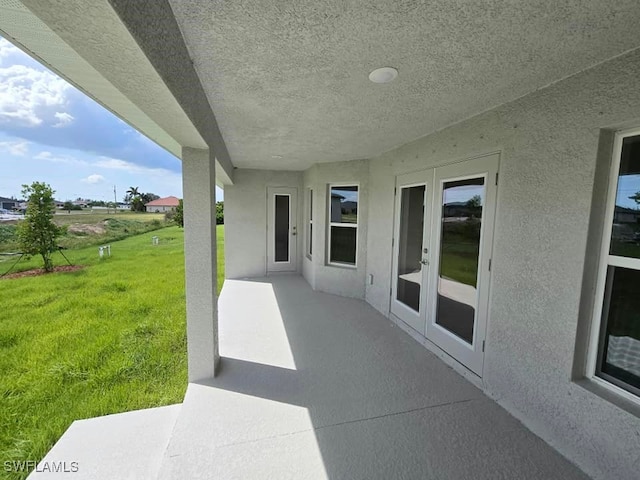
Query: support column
{"points": [[199, 191]]}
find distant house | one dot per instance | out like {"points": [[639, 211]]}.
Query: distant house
{"points": [[8, 203], [166, 204], [626, 215]]}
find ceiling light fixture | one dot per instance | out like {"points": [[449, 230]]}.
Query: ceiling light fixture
{"points": [[276, 156], [383, 75]]}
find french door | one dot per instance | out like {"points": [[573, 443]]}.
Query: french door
{"points": [[457, 237], [281, 229], [411, 248]]}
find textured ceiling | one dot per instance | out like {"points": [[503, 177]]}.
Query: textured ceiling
{"points": [[290, 78]]}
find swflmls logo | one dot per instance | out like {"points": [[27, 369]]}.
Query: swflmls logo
{"points": [[42, 467]]}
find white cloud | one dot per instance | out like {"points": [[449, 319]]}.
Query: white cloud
{"points": [[116, 164], [57, 158], [28, 95], [6, 49], [93, 179], [19, 148], [64, 119]]}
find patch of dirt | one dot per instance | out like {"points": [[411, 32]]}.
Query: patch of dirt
{"points": [[87, 229], [40, 271]]}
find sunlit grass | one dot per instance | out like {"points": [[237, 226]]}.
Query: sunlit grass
{"points": [[106, 339]]}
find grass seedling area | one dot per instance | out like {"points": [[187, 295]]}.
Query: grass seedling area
{"points": [[108, 338]]}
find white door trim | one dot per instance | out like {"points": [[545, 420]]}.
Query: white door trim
{"points": [[290, 265]]}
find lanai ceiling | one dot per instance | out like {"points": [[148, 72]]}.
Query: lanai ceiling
{"points": [[288, 80]]}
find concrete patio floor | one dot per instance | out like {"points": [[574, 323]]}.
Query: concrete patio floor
{"points": [[316, 386]]}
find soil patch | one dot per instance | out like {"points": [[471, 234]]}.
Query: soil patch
{"points": [[40, 271], [87, 229]]}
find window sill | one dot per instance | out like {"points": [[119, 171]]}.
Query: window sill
{"points": [[347, 266], [609, 393]]}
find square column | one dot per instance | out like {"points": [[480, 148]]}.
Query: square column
{"points": [[199, 191]]}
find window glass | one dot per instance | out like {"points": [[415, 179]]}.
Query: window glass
{"points": [[344, 204], [310, 232], [462, 203], [343, 244], [625, 233], [282, 228], [409, 281], [343, 224], [620, 345]]}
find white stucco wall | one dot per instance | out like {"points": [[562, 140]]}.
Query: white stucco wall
{"points": [[245, 229], [548, 142]]}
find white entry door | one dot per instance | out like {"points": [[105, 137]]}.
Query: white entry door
{"points": [[462, 239], [281, 229], [411, 248]]}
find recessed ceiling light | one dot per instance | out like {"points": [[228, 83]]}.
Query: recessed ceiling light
{"points": [[276, 156], [383, 75]]}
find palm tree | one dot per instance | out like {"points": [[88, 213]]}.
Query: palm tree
{"points": [[132, 193]]}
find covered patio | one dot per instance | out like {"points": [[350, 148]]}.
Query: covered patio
{"points": [[525, 104], [319, 386]]}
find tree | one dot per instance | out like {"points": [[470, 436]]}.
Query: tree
{"points": [[219, 213], [68, 205], [474, 202], [178, 215], [149, 197], [137, 205], [636, 197], [37, 233]]}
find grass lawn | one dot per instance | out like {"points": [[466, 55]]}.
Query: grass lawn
{"points": [[83, 229], [105, 339]]}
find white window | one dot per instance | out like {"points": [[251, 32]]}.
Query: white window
{"points": [[614, 357], [343, 224], [310, 224]]}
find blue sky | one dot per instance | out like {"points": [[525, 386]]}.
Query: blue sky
{"points": [[52, 132]]}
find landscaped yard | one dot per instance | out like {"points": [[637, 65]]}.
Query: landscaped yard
{"points": [[87, 228], [105, 339]]}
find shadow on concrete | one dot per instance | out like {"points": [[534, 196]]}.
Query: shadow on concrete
{"points": [[378, 405]]}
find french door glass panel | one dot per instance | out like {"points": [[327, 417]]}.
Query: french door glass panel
{"points": [[462, 203], [281, 230], [409, 271]]}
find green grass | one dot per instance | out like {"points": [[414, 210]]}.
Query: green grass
{"points": [[106, 339]]}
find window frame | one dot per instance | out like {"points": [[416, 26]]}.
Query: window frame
{"points": [[330, 224], [309, 229], [596, 334]]}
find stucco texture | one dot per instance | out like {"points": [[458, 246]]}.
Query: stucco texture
{"points": [[548, 143]]}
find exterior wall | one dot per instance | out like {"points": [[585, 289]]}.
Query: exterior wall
{"points": [[160, 209], [245, 229], [309, 181], [549, 143], [346, 281]]}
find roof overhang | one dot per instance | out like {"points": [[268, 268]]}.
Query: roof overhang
{"points": [[93, 50]]}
